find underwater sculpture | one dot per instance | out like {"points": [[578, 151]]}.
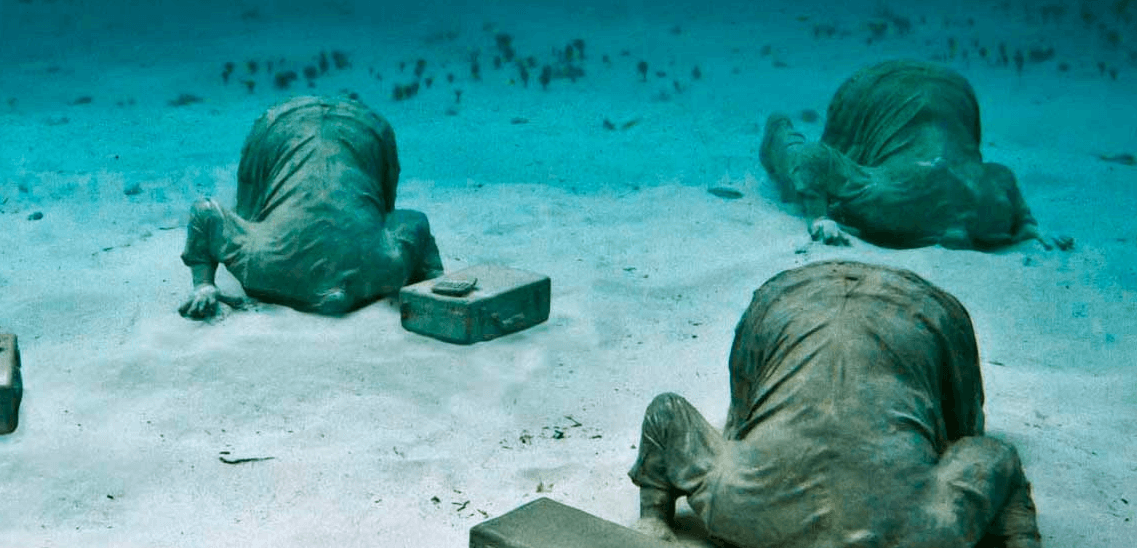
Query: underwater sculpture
{"points": [[898, 165], [856, 419], [315, 226]]}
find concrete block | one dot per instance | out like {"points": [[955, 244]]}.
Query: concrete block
{"points": [[545, 523], [475, 304], [11, 385]]}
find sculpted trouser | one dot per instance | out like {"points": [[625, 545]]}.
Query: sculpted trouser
{"points": [[976, 491]]}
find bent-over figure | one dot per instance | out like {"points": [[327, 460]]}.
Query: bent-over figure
{"points": [[898, 165], [315, 226], [855, 419]]}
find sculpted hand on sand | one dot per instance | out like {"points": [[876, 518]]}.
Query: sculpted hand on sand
{"points": [[315, 226], [898, 165], [855, 419]]}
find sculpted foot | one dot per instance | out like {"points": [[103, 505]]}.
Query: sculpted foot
{"points": [[1050, 243], [655, 527], [1063, 243], [775, 154], [778, 134]]}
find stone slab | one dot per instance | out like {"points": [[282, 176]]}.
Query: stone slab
{"points": [[545, 523], [11, 384]]}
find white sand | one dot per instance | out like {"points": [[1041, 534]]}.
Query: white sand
{"points": [[380, 437]]}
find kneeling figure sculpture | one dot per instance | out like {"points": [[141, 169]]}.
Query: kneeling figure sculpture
{"points": [[855, 419], [315, 226]]}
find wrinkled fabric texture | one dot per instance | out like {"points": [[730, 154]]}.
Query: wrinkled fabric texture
{"points": [[899, 164], [312, 153], [315, 226], [875, 338], [904, 110], [855, 420]]}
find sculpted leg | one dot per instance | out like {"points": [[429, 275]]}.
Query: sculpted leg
{"points": [[978, 496], [779, 143], [678, 448]]}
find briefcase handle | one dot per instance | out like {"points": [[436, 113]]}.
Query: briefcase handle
{"points": [[510, 322]]}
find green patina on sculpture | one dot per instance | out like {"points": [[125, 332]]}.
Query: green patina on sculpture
{"points": [[898, 165], [315, 225], [856, 419]]}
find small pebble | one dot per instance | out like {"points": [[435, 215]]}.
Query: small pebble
{"points": [[725, 193]]}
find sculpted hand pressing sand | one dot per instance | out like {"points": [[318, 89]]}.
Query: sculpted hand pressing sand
{"points": [[856, 419], [898, 165], [315, 226]]}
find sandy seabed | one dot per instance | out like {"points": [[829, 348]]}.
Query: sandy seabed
{"points": [[380, 437]]}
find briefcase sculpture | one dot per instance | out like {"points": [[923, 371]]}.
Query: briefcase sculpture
{"points": [[478, 303]]}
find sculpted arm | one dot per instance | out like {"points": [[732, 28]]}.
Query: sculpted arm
{"points": [[802, 173], [207, 243], [821, 228]]}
